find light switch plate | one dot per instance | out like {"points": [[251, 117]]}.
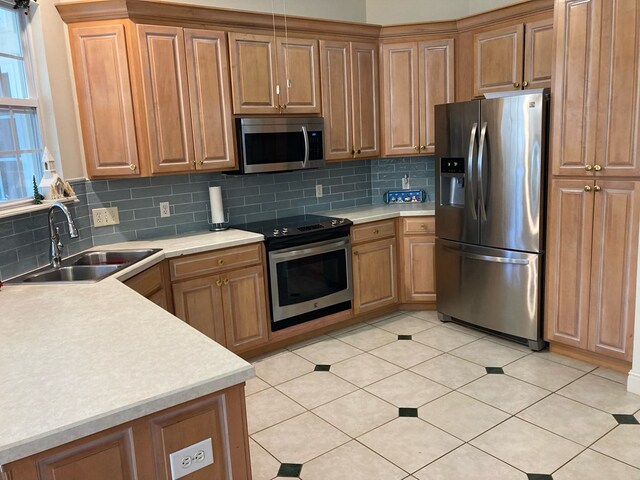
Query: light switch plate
{"points": [[191, 458]]}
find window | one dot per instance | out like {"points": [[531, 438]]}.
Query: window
{"points": [[20, 144]]}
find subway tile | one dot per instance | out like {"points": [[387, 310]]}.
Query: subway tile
{"points": [[17, 240], [175, 219], [157, 232], [200, 197], [343, 204], [190, 208], [271, 188], [10, 256], [289, 195], [259, 217], [145, 192], [255, 180], [190, 188], [132, 225], [7, 228], [129, 183], [290, 212], [350, 187], [288, 177], [315, 174], [259, 199], [174, 199], [354, 178], [115, 238], [151, 212], [247, 209], [203, 216], [97, 186], [342, 172], [136, 204], [108, 196], [364, 201], [192, 227], [273, 206], [169, 179], [125, 215]]}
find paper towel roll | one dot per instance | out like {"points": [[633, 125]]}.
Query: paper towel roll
{"points": [[217, 210]]}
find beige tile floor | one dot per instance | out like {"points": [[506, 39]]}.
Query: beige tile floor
{"points": [[362, 404]]}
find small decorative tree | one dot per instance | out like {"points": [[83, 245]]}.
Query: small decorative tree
{"points": [[37, 198]]}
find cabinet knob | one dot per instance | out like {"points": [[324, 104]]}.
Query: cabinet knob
{"points": [[416, 148], [525, 84], [225, 281], [588, 167], [587, 188], [353, 150], [194, 163], [219, 282], [423, 226], [221, 262], [375, 231], [597, 167], [516, 85], [356, 253], [132, 166], [359, 151], [423, 147], [597, 188], [200, 162]]}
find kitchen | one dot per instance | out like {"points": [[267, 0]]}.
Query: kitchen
{"points": [[379, 173]]}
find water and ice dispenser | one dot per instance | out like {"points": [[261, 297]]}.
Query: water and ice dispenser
{"points": [[452, 181]]}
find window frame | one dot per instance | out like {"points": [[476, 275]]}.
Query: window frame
{"points": [[33, 101]]}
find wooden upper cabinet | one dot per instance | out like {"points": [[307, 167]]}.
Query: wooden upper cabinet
{"points": [[105, 100], [497, 60], [210, 99], [268, 76], [538, 47], [618, 138], [575, 86], [400, 94], [437, 85], [166, 98], [614, 268], [349, 74], [365, 94]]}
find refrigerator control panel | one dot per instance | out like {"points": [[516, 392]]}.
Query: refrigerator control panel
{"points": [[452, 165]]}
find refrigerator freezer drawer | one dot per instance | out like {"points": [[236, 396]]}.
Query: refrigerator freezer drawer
{"points": [[491, 288]]}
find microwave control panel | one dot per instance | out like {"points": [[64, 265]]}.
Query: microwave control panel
{"points": [[315, 145]]}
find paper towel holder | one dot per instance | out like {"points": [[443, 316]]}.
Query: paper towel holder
{"points": [[220, 227]]}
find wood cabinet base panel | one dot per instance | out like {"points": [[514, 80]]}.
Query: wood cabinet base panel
{"points": [[590, 357]]}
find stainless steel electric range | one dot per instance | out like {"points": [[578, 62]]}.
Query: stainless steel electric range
{"points": [[309, 267]]}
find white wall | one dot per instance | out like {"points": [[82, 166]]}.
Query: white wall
{"points": [[633, 384]]}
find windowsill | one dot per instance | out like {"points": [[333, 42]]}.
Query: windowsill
{"points": [[29, 207]]}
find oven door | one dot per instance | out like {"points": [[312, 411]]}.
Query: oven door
{"points": [[309, 277]]}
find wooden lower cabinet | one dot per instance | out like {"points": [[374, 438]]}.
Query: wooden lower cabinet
{"points": [[153, 284], [140, 449], [417, 259], [592, 244], [374, 275], [229, 306]]}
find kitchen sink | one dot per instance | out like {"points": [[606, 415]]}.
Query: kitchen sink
{"points": [[86, 266]]}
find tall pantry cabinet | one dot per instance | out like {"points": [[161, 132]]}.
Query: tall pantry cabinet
{"points": [[594, 190]]}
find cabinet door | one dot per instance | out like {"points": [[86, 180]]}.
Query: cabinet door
{"points": [[104, 100], [374, 275], [210, 99], [437, 85], [618, 137], [400, 92], [575, 86], [254, 73], [245, 308], [364, 74], [569, 229], [538, 47], [299, 75], [613, 268], [166, 98], [419, 274], [199, 303], [335, 60], [497, 60]]}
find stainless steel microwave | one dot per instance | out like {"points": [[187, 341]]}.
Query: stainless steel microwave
{"points": [[279, 144]]}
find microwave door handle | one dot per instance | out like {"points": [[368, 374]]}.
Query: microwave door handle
{"points": [[305, 134]]}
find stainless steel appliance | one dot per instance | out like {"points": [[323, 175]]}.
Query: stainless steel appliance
{"points": [[309, 267], [490, 169], [278, 144]]}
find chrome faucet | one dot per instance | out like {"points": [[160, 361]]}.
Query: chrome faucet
{"points": [[54, 233]]}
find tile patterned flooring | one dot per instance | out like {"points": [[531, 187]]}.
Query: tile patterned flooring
{"points": [[405, 396]]}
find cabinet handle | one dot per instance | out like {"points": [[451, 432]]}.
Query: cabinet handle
{"points": [[587, 188], [219, 282], [221, 262], [225, 281], [423, 226], [588, 167], [516, 85], [597, 167], [597, 188], [132, 166], [525, 84], [375, 231]]}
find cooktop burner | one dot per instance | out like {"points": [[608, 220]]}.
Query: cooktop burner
{"points": [[294, 226]]}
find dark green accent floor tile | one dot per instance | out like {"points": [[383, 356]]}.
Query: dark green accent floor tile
{"points": [[494, 370], [404, 337], [407, 412], [625, 419], [290, 470], [322, 368], [539, 476]]}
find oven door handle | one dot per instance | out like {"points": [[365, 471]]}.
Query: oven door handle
{"points": [[306, 146], [320, 247]]}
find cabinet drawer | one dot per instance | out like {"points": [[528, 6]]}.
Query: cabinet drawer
{"points": [[417, 225], [215, 261], [373, 231]]}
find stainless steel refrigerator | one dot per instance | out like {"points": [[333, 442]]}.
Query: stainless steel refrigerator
{"points": [[490, 170]]}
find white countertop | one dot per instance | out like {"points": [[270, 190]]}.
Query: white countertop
{"points": [[78, 359]]}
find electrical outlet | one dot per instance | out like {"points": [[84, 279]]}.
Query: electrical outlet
{"points": [[165, 211], [103, 217], [318, 190], [191, 458]]}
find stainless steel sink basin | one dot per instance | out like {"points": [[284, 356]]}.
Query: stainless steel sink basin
{"points": [[76, 273], [86, 266]]}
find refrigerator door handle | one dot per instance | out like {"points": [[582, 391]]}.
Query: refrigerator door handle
{"points": [[481, 197], [471, 200], [489, 258]]}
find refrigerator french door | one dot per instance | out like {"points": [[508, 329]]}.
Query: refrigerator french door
{"points": [[490, 170]]}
